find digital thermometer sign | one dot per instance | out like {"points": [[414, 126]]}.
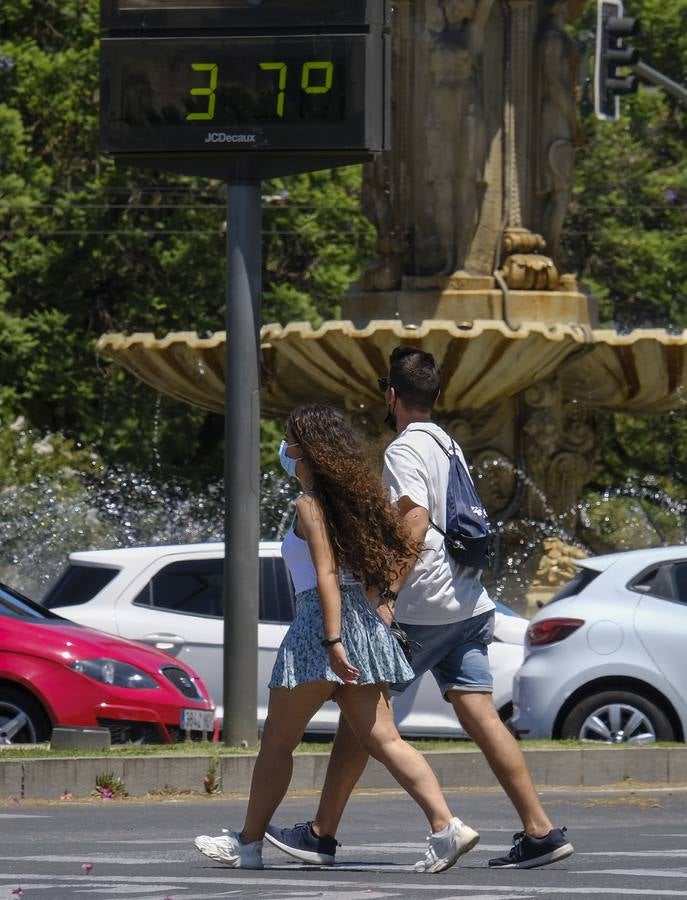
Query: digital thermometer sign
{"points": [[262, 78]]}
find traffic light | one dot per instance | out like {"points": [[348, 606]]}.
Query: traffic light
{"points": [[612, 28]]}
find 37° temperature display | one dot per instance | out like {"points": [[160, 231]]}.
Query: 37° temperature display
{"points": [[177, 94]]}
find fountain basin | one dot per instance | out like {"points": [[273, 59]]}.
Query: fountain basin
{"points": [[482, 363]]}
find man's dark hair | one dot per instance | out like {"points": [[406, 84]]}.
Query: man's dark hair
{"points": [[414, 375]]}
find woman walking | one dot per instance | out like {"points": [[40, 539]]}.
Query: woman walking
{"points": [[345, 539]]}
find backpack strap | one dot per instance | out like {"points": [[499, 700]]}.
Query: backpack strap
{"points": [[452, 545], [437, 441], [448, 456]]}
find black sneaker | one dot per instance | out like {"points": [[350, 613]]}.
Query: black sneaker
{"points": [[302, 843], [529, 852]]}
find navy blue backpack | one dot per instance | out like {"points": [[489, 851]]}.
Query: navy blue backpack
{"points": [[468, 534]]}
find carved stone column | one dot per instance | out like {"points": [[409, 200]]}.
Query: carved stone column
{"points": [[462, 164], [518, 110], [524, 267], [558, 130], [426, 195]]}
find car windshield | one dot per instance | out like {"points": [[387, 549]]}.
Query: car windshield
{"points": [[78, 584], [16, 606]]}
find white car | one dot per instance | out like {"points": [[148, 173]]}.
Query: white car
{"points": [[171, 597], [606, 656]]}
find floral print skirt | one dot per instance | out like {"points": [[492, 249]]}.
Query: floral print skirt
{"points": [[369, 644]]}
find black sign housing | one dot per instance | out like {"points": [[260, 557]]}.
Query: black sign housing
{"points": [[244, 88], [166, 15]]}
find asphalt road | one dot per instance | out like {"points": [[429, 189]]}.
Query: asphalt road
{"points": [[629, 843]]}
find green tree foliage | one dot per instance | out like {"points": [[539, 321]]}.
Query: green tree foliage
{"points": [[27, 454], [626, 237], [86, 248]]}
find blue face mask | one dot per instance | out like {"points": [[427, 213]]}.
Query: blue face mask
{"points": [[287, 463]]}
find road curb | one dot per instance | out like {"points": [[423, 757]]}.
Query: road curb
{"points": [[50, 779]]}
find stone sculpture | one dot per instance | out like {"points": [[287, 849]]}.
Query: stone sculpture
{"points": [[559, 130], [482, 150]]}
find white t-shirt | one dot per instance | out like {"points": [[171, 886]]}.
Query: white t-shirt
{"points": [[438, 590]]}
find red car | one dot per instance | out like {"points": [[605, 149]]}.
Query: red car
{"points": [[55, 672]]}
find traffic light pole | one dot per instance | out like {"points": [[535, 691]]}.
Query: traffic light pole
{"points": [[653, 76], [242, 463]]}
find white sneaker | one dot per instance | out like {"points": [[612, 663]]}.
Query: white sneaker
{"points": [[442, 852], [229, 849]]}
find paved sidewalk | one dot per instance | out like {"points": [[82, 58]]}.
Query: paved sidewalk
{"points": [[49, 779]]}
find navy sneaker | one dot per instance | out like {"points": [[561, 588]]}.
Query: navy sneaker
{"points": [[529, 852], [302, 843]]}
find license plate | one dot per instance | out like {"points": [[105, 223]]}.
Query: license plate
{"points": [[197, 719]]}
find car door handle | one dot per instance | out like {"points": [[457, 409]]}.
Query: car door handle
{"points": [[169, 643]]}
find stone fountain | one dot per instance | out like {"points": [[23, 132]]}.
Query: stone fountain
{"points": [[469, 206]]}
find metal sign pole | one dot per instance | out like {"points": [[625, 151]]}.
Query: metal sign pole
{"points": [[326, 105], [242, 462]]}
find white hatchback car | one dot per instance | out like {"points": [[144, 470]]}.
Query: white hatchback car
{"points": [[605, 658], [171, 597]]}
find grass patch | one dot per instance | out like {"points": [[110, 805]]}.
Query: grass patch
{"points": [[206, 748]]}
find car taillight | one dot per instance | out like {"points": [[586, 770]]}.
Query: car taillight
{"points": [[548, 631]]}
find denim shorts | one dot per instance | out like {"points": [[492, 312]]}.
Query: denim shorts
{"points": [[456, 654]]}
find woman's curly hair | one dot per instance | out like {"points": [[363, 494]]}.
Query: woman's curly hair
{"points": [[368, 538]]}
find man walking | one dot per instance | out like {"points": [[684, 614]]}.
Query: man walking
{"points": [[443, 607]]}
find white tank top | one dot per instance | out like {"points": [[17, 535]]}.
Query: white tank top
{"points": [[296, 555]]}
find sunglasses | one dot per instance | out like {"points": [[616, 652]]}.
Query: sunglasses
{"points": [[384, 384]]}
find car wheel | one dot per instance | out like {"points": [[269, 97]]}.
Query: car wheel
{"points": [[617, 717], [22, 719]]}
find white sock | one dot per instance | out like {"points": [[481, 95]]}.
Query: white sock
{"points": [[445, 831]]}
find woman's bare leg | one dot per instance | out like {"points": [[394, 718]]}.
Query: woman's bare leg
{"points": [[288, 713], [368, 711], [347, 763]]}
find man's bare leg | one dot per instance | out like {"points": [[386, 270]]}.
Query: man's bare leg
{"points": [[347, 762], [481, 721]]}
